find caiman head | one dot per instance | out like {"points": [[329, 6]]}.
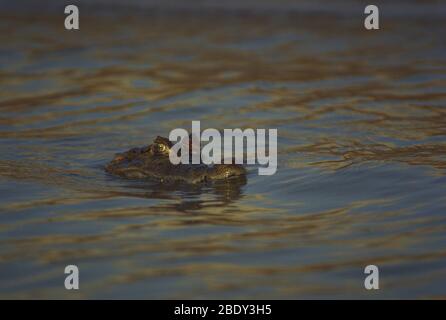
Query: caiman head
{"points": [[153, 162]]}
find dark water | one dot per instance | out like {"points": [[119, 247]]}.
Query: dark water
{"points": [[361, 119]]}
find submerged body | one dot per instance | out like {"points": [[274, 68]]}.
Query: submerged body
{"points": [[153, 162]]}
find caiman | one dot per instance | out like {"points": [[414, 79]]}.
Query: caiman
{"points": [[152, 161]]}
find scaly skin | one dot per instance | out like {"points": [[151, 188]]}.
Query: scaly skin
{"points": [[153, 162]]}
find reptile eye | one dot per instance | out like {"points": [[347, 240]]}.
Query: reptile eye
{"points": [[162, 147]]}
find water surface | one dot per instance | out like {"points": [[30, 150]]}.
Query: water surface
{"points": [[361, 119]]}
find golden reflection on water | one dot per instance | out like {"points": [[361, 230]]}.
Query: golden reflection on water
{"points": [[362, 156]]}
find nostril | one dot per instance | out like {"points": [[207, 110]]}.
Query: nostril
{"points": [[119, 158]]}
